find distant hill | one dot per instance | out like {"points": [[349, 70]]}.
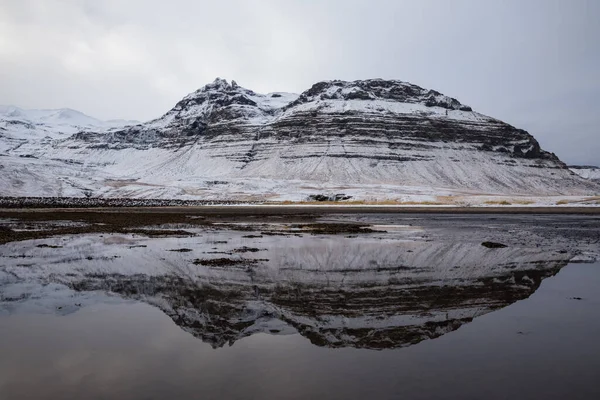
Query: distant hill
{"points": [[586, 171]]}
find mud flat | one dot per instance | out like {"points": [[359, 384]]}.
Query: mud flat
{"points": [[257, 221]]}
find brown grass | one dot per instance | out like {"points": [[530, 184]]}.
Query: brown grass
{"points": [[523, 202], [359, 202], [448, 199], [420, 203], [587, 200], [97, 222], [497, 202]]}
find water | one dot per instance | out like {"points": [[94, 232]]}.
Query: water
{"points": [[422, 311]]}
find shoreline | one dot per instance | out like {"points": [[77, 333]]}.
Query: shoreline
{"points": [[313, 209]]}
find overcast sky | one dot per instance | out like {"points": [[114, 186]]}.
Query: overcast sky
{"points": [[532, 63]]}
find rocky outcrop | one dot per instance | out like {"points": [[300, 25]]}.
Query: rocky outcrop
{"points": [[200, 116], [378, 89]]}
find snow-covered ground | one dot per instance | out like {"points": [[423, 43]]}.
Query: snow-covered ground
{"points": [[25, 176], [587, 172], [158, 173]]}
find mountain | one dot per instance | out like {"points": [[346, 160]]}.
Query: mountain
{"points": [[25, 137], [54, 123], [586, 171], [372, 138], [20, 127]]}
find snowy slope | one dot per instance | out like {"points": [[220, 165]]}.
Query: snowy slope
{"points": [[25, 170], [36, 129], [53, 123], [375, 136], [586, 172]]}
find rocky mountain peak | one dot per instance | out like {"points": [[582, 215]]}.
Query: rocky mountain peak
{"points": [[219, 84], [378, 89], [216, 100], [220, 93]]}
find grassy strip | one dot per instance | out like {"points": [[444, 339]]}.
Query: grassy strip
{"points": [[508, 203], [359, 202]]}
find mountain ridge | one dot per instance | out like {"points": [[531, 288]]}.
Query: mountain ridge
{"points": [[337, 134]]}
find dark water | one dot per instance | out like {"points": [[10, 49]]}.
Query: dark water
{"points": [[545, 347], [419, 312]]}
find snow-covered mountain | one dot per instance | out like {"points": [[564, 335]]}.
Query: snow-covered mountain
{"points": [[19, 127], [364, 137], [54, 123], [586, 171]]}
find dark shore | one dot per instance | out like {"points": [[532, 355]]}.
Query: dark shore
{"points": [[36, 223], [309, 210]]}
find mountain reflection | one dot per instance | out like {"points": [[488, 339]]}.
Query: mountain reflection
{"points": [[335, 291]]}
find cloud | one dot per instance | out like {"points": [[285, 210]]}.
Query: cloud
{"points": [[533, 64]]}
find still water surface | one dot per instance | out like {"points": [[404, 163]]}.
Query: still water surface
{"points": [[545, 347], [407, 313]]}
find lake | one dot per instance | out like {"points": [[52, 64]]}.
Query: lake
{"points": [[110, 305]]}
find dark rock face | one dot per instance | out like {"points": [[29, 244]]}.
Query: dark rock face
{"points": [[493, 245], [328, 197]]}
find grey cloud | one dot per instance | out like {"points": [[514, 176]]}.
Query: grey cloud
{"points": [[531, 63]]}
